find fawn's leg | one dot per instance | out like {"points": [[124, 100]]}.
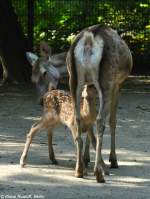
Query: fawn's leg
{"points": [[50, 147], [90, 138], [34, 129], [86, 156]]}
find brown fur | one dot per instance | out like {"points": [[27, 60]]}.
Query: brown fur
{"points": [[58, 109], [114, 68]]}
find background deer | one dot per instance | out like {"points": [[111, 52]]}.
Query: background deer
{"points": [[47, 70], [98, 56]]}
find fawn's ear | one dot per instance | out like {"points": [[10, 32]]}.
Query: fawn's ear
{"points": [[45, 50], [32, 58]]}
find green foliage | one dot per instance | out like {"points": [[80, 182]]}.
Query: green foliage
{"points": [[58, 21]]}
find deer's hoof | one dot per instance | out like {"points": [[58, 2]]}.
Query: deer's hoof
{"points": [[22, 164], [113, 161], [55, 162], [79, 173], [114, 165], [99, 175]]}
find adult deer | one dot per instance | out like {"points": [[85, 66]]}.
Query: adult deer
{"points": [[99, 56], [47, 70]]}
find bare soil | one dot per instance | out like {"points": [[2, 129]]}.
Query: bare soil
{"points": [[39, 179]]}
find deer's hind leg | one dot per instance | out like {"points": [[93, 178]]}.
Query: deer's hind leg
{"points": [[76, 94], [112, 122], [100, 127], [50, 146]]}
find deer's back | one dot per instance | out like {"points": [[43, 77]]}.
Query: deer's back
{"points": [[116, 63], [60, 104]]}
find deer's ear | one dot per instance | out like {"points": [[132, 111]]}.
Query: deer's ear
{"points": [[45, 50], [32, 58]]}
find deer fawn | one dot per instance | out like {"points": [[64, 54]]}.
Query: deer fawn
{"points": [[58, 108]]}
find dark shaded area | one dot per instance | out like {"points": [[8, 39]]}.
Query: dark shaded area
{"points": [[13, 45], [30, 23], [141, 64]]}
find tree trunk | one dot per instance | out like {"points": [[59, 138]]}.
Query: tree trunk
{"points": [[13, 45]]}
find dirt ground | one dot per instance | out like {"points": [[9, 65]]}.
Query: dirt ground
{"points": [[39, 179]]}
